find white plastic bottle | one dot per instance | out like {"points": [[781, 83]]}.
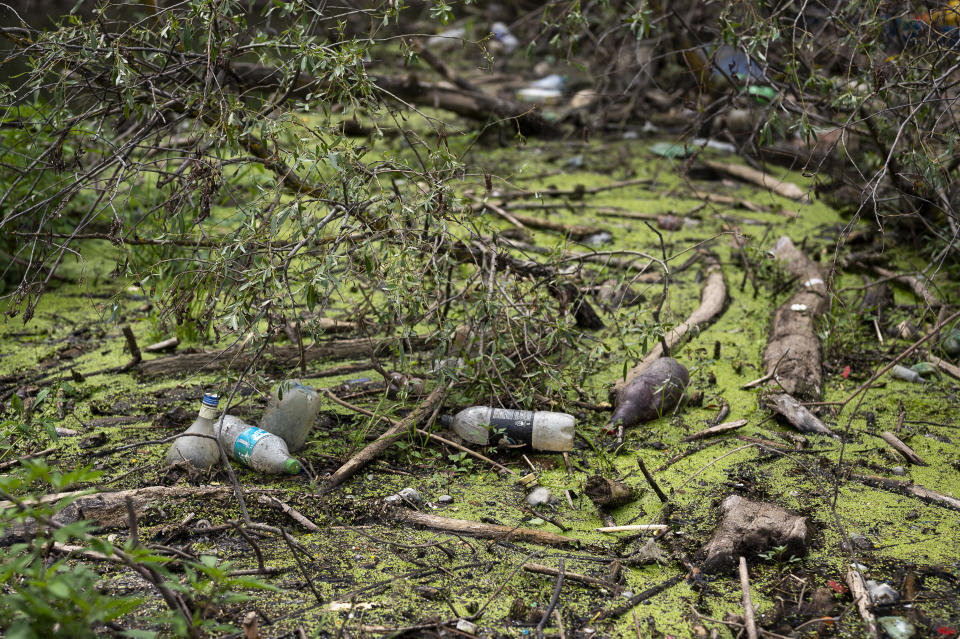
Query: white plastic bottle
{"points": [[200, 452], [291, 413], [255, 447], [543, 430]]}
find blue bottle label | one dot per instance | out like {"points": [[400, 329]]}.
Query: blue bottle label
{"points": [[248, 439]]}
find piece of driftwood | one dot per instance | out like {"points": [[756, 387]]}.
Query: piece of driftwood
{"points": [[907, 488], [749, 528], [796, 414], [897, 444], [109, 510], [860, 594], [713, 296], [572, 576], [715, 430], [384, 441], [919, 288], [748, 617], [753, 176], [237, 358], [480, 529], [946, 367], [793, 348]]}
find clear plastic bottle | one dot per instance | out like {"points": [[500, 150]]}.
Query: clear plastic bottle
{"points": [[201, 452], [255, 447], [291, 412], [543, 430]]}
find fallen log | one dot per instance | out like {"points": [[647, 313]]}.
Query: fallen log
{"points": [[760, 178], [897, 444], [237, 358], [480, 529], [713, 296], [792, 353], [109, 510]]}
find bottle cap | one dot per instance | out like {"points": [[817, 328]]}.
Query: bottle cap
{"points": [[211, 399], [291, 467]]}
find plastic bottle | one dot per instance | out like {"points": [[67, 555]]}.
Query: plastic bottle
{"points": [[543, 430], [907, 375], [291, 413], [255, 447], [201, 452]]}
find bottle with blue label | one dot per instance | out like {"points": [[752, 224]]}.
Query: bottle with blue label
{"points": [[291, 412], [255, 447], [199, 452]]}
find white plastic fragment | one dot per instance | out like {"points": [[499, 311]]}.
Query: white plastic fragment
{"points": [[467, 626], [813, 281], [799, 308]]}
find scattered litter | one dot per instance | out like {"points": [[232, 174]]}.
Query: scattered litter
{"points": [[799, 308], [539, 496], [882, 593], [630, 135], [897, 627], [291, 412], [552, 82], [716, 145], [749, 528], [467, 626], [951, 343], [651, 394], [542, 430], [545, 96], [671, 150], [255, 447], [338, 606], [576, 162], [813, 281], [598, 239], [407, 495], [501, 33], [907, 375], [925, 370], [199, 452]]}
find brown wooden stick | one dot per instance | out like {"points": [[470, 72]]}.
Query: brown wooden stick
{"points": [[919, 288], [13, 462], [572, 576], [946, 367], [905, 487], [748, 617], [382, 443], [897, 444], [135, 355], [796, 414], [479, 529], [767, 181], [712, 298], [714, 430], [575, 231], [290, 511]]}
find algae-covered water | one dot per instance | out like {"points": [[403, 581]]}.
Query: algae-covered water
{"points": [[397, 576]]}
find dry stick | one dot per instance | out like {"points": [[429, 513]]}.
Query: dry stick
{"points": [[664, 347], [712, 298], [384, 441], [575, 192], [862, 598], [575, 231], [714, 430], [540, 569], [420, 431], [748, 618], [905, 487], [643, 596], [767, 181], [303, 571], [132, 523], [650, 480], [556, 615], [479, 529], [918, 287], [553, 602], [946, 367], [13, 462], [290, 511], [135, 355], [897, 444]]}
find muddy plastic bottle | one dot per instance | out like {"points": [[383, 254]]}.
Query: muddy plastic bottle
{"points": [[201, 452], [543, 430], [255, 447], [291, 412]]}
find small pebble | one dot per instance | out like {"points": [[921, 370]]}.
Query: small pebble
{"points": [[445, 499]]}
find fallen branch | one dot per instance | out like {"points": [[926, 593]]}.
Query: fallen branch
{"points": [[946, 367], [907, 488], [479, 529], [918, 287], [715, 430], [384, 441], [639, 598], [574, 231], [13, 462], [712, 298], [748, 618], [767, 181], [897, 444], [290, 511], [572, 576]]}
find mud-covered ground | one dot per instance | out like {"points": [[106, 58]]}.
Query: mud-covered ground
{"points": [[365, 574]]}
